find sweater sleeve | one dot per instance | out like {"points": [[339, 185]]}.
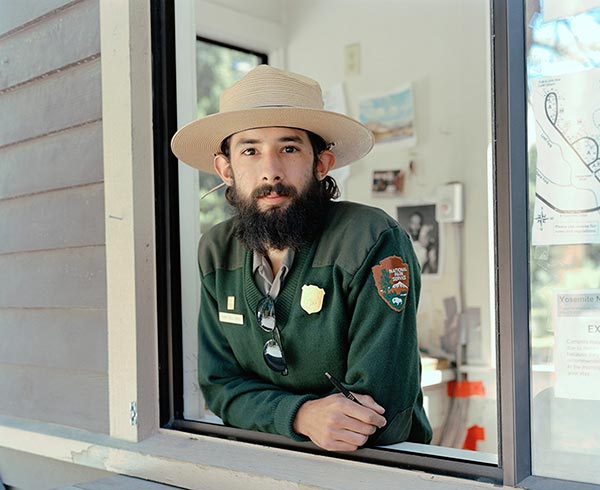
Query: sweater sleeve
{"points": [[240, 399], [383, 357]]}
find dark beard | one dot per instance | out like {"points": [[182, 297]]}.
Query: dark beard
{"points": [[278, 228]]}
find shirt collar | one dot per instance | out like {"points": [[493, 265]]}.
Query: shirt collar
{"points": [[259, 260]]}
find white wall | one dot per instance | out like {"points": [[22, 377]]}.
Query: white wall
{"points": [[252, 24], [442, 48]]}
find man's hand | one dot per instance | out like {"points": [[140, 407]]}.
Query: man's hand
{"points": [[338, 424]]}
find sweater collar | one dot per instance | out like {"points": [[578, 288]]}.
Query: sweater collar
{"points": [[285, 299]]}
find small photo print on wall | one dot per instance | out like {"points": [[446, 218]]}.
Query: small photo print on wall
{"points": [[388, 182], [424, 231]]}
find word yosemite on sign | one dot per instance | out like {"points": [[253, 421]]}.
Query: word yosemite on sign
{"points": [[577, 344]]}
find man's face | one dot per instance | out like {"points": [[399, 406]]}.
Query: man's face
{"points": [[414, 224], [274, 186], [264, 157]]}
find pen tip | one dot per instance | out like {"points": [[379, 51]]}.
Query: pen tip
{"points": [[328, 375]]}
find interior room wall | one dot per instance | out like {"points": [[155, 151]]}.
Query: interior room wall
{"points": [[442, 49]]}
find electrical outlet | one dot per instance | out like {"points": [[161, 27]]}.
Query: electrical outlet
{"points": [[353, 59]]}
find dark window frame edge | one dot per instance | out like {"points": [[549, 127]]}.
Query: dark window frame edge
{"points": [[263, 56], [164, 118]]}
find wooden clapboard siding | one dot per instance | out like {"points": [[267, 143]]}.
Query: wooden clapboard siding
{"points": [[32, 52], [67, 218], [68, 397], [65, 99], [64, 159], [53, 347], [58, 338], [19, 14], [63, 278]]}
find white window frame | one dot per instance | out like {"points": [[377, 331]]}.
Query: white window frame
{"points": [[129, 219], [243, 30]]}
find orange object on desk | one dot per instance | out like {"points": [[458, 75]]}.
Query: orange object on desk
{"points": [[474, 433], [464, 389]]}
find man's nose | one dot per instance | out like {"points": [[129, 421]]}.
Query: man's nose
{"points": [[272, 168]]}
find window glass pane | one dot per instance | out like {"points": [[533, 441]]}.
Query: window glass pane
{"points": [[563, 76], [217, 67], [418, 73]]}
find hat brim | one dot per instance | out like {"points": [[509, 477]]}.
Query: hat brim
{"points": [[197, 142]]}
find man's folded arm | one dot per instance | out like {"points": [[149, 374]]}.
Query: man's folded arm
{"points": [[239, 399]]}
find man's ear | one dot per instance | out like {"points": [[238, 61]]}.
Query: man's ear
{"points": [[325, 164], [223, 168]]}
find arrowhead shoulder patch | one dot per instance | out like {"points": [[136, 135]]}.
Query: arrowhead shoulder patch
{"points": [[391, 278]]}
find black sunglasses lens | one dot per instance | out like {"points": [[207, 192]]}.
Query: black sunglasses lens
{"points": [[274, 357], [266, 314]]}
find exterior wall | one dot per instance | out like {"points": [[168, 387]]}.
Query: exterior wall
{"points": [[52, 245], [22, 471]]}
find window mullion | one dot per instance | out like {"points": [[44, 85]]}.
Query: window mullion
{"points": [[512, 275]]}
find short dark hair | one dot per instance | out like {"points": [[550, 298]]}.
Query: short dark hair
{"points": [[329, 186]]}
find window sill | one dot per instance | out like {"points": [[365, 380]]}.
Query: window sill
{"points": [[196, 461]]}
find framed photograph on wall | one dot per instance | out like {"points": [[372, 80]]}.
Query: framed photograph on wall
{"points": [[424, 231]]}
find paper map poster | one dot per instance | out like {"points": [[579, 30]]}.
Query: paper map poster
{"points": [[567, 190], [577, 344]]}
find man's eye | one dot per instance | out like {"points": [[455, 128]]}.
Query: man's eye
{"points": [[249, 151], [290, 149]]}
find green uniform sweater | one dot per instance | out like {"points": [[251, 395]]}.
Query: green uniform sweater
{"points": [[364, 333]]}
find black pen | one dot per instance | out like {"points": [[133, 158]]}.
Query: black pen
{"points": [[343, 390]]}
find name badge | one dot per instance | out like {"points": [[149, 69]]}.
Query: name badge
{"points": [[234, 318]]}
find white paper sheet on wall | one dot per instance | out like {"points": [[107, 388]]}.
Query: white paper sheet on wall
{"points": [[335, 101]]}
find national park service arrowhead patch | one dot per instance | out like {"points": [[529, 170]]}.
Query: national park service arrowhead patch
{"points": [[391, 278]]}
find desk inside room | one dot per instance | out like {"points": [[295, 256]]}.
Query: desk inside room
{"points": [[435, 376]]}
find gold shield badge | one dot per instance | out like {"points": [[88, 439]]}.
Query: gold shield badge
{"points": [[311, 300]]}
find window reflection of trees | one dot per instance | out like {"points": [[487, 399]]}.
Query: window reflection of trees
{"points": [[217, 67]]}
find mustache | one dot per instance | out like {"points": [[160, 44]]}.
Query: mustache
{"points": [[278, 188]]}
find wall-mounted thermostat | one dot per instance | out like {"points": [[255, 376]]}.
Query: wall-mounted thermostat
{"points": [[449, 203]]}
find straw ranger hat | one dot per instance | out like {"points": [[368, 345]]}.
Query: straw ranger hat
{"points": [[268, 97]]}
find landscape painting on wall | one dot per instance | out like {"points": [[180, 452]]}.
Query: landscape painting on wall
{"points": [[390, 116]]}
